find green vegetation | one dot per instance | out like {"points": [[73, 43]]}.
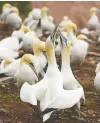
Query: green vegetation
{"points": [[10, 96]]}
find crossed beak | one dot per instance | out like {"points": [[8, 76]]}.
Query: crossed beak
{"points": [[33, 68], [53, 34], [62, 39]]}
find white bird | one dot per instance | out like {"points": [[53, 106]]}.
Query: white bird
{"points": [[6, 62], [36, 13], [46, 23], [63, 23], [8, 53], [39, 56], [6, 7], [26, 71], [28, 40], [80, 47], [18, 34], [5, 10], [69, 81], [14, 20], [97, 78], [93, 22], [11, 69], [11, 43]]}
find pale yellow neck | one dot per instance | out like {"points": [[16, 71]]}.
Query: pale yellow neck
{"points": [[65, 53], [92, 13], [51, 56], [44, 14]]}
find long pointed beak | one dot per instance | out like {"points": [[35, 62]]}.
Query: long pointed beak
{"points": [[53, 34], [62, 38], [33, 68]]}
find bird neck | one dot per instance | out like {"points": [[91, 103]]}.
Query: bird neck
{"points": [[51, 57], [72, 36], [65, 53], [92, 14], [44, 14]]}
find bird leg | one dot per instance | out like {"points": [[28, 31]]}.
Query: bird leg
{"points": [[37, 110]]}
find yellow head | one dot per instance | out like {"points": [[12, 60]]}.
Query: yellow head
{"points": [[27, 59], [44, 11], [7, 5], [15, 10], [65, 18], [38, 46], [71, 27], [25, 29], [81, 37], [8, 61], [93, 10]]}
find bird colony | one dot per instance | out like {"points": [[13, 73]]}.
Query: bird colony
{"points": [[31, 53]]}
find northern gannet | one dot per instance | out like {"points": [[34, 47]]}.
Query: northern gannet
{"points": [[46, 23], [26, 71], [8, 53], [5, 10], [35, 92], [11, 69], [28, 40], [93, 21], [11, 43], [6, 62], [39, 56], [36, 14], [63, 23], [69, 81], [80, 47], [6, 6], [14, 20], [97, 78]]}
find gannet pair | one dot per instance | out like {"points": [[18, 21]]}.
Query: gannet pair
{"points": [[49, 91]]}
